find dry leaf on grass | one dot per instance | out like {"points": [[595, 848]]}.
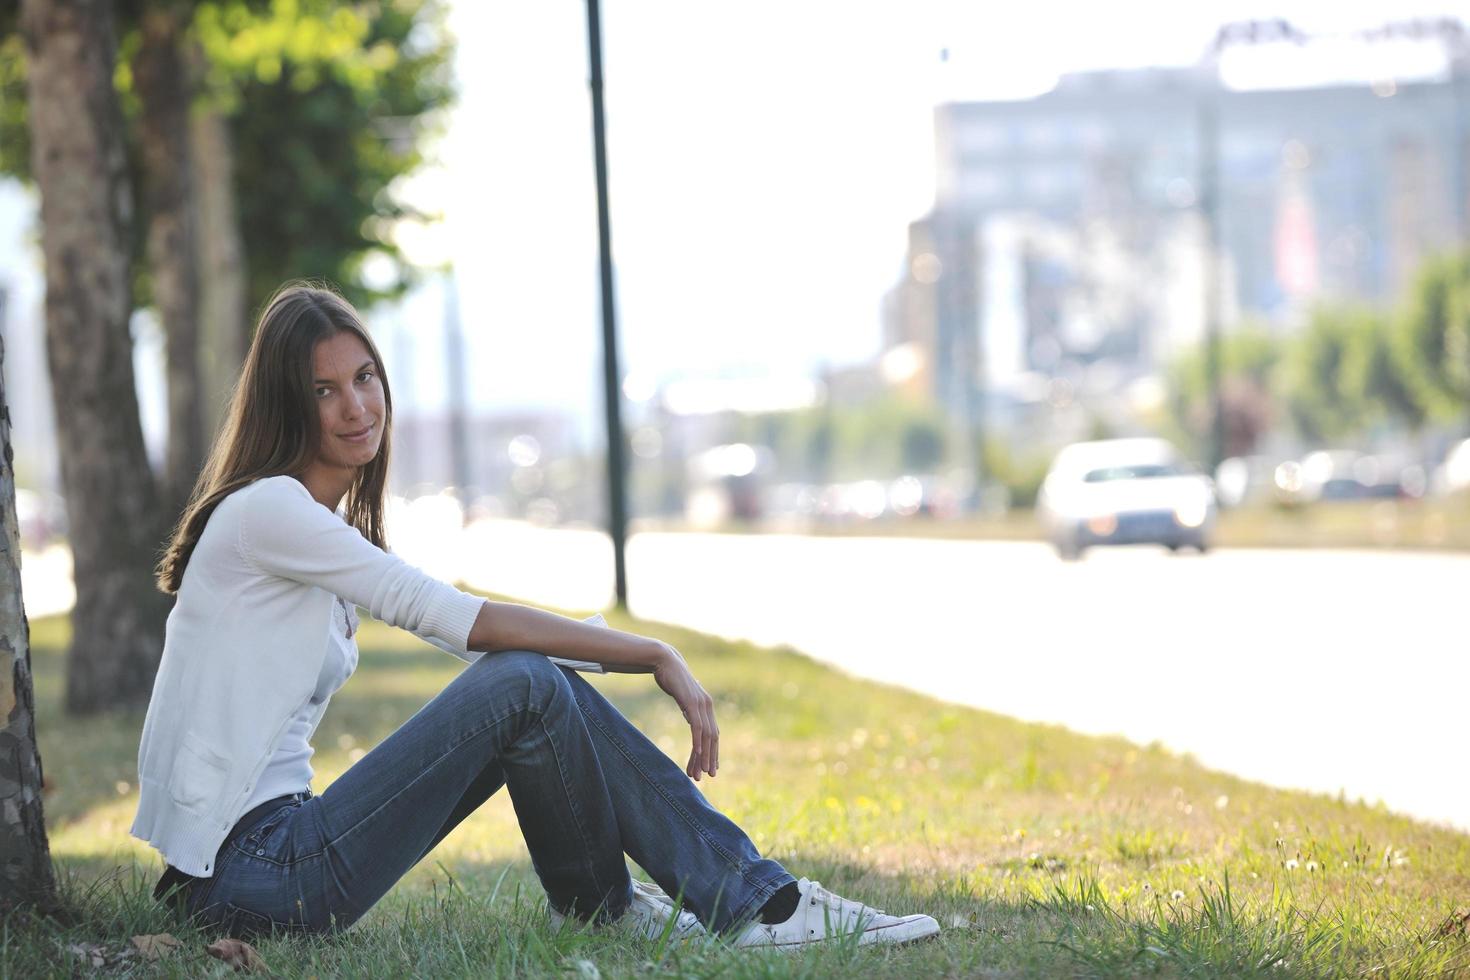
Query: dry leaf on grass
{"points": [[237, 953], [1458, 924], [156, 946]]}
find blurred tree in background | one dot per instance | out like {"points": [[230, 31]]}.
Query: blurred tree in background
{"points": [[1433, 339], [265, 140], [1371, 370], [1020, 473], [1349, 372], [329, 104], [308, 111], [164, 88], [15, 142], [79, 158], [1323, 401], [1249, 358]]}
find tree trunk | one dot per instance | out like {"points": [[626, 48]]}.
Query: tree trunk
{"points": [[224, 332], [165, 90], [78, 160], [25, 857]]}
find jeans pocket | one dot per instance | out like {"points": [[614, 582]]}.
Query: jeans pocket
{"points": [[256, 841]]}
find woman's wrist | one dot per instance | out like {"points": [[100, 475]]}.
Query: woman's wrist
{"points": [[658, 652]]}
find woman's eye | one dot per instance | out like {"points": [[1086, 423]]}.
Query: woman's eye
{"points": [[364, 377], [323, 392]]}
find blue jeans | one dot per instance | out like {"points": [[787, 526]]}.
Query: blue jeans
{"points": [[586, 785]]}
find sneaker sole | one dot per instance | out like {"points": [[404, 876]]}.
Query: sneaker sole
{"points": [[896, 935]]}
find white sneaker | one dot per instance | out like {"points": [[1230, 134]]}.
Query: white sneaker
{"points": [[822, 916], [648, 915]]}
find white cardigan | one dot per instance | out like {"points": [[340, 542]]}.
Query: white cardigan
{"points": [[243, 649]]}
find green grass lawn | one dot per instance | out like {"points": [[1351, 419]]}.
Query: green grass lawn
{"points": [[1040, 851]]}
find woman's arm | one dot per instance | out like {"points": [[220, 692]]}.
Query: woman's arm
{"points": [[508, 626]]}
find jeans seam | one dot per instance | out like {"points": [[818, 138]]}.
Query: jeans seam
{"points": [[731, 860], [574, 811]]}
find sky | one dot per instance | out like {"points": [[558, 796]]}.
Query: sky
{"points": [[765, 160]]}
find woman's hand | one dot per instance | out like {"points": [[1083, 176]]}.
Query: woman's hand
{"points": [[673, 676]]}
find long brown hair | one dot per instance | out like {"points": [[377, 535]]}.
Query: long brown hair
{"points": [[272, 427]]}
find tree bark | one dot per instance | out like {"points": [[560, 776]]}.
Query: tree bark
{"points": [[25, 856], [79, 163], [224, 331], [165, 91]]}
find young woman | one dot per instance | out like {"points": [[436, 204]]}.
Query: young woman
{"points": [[268, 576]]}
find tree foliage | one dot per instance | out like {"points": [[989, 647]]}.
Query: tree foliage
{"points": [[1249, 359], [330, 105], [1371, 370], [15, 136], [1350, 371], [1432, 342], [1341, 378], [1323, 403]]}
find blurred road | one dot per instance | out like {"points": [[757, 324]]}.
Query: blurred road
{"points": [[45, 581], [1325, 670]]}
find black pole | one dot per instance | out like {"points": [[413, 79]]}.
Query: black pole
{"points": [[454, 353], [612, 387]]}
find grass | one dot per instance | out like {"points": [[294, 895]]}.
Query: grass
{"points": [[1042, 852]]}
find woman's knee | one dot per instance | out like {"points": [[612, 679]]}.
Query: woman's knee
{"points": [[529, 677]]}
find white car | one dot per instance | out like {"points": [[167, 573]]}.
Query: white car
{"points": [[1453, 476], [1125, 491]]}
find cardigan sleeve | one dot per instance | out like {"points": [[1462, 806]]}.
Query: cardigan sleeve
{"points": [[285, 532]]}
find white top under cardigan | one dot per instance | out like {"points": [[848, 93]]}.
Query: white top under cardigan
{"points": [[289, 769], [244, 649]]}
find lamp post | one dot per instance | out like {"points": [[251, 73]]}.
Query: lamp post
{"points": [[612, 387]]}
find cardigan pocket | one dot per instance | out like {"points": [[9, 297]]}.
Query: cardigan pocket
{"points": [[198, 776]]}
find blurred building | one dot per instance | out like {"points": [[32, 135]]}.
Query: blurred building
{"points": [[1067, 239]]}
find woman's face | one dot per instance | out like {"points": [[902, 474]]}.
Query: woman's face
{"points": [[349, 401]]}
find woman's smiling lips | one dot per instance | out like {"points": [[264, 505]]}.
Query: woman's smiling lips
{"points": [[361, 435]]}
